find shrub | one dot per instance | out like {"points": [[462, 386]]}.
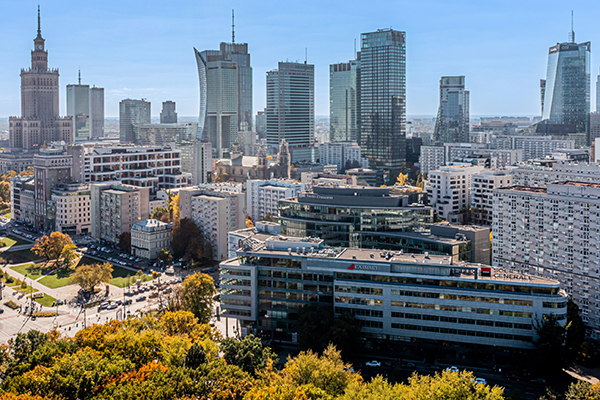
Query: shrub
{"points": [[23, 285], [11, 304], [44, 314], [10, 279]]}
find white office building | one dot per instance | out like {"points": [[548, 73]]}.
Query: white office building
{"points": [[342, 154], [262, 196]]}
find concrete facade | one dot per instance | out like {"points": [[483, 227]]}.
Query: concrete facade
{"points": [[149, 237], [482, 191]]}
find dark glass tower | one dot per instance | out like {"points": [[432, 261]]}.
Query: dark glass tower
{"points": [[383, 98], [344, 101], [567, 90]]}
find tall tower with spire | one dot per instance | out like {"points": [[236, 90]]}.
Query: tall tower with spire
{"points": [[40, 121]]}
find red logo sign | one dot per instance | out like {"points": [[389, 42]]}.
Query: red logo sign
{"points": [[351, 267]]}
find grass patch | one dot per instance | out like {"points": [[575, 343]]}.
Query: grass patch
{"points": [[7, 215], [33, 271], [11, 304], [123, 277], [11, 240], [27, 290], [60, 278], [18, 257], [46, 301]]}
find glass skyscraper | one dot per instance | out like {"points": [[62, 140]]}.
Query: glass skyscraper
{"points": [[344, 101], [567, 90], [452, 124], [291, 108], [383, 98]]}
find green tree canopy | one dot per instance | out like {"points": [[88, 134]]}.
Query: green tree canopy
{"points": [[249, 354]]}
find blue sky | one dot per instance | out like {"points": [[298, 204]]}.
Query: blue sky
{"points": [[138, 49]]}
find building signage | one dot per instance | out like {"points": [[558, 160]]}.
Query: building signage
{"points": [[363, 267]]}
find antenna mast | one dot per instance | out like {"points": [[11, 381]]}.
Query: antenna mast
{"points": [[80, 77], [232, 26], [572, 34], [355, 49], [305, 55]]}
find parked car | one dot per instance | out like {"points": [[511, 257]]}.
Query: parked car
{"points": [[452, 369], [141, 298], [373, 363], [433, 368], [112, 306], [481, 380]]}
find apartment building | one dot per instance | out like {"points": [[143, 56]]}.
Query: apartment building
{"points": [[149, 237], [432, 157], [410, 301], [342, 154], [449, 191], [541, 173], [22, 203], [115, 208], [482, 193], [553, 232], [215, 212], [73, 208], [262, 196]]}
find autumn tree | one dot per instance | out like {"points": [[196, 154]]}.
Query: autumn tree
{"points": [[174, 207], [68, 255], [51, 247], [197, 292], [249, 223], [159, 212], [401, 179], [188, 241], [90, 276]]}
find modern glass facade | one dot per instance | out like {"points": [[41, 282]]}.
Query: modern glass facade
{"points": [[344, 101], [291, 107], [238, 53], [132, 112], [383, 98], [567, 90], [452, 124]]}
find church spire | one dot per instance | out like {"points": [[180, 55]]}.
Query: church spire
{"points": [[39, 35]]}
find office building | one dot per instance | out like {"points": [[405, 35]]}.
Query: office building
{"points": [[366, 176], [553, 232], [567, 90], [16, 161], [238, 53], [482, 193], [452, 124], [409, 301], [149, 237], [261, 124], [132, 112], [73, 208], [85, 105], [449, 191], [383, 98], [594, 125], [262, 196], [39, 122], [345, 155], [163, 134], [115, 208], [196, 159], [216, 210], [324, 178], [261, 231], [291, 109], [168, 114], [22, 199], [344, 101]]}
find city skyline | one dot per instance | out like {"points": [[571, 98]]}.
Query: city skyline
{"points": [[111, 47]]}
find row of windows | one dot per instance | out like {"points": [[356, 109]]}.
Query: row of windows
{"points": [[236, 302], [441, 307], [236, 282], [294, 296], [447, 296], [235, 292], [311, 287], [295, 275], [359, 301], [462, 332], [241, 313], [359, 290], [238, 272], [270, 262], [360, 312], [462, 321]]}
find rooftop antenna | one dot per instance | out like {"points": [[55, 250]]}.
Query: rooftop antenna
{"points": [[232, 26], [572, 34], [305, 55], [355, 48], [80, 77], [39, 23]]}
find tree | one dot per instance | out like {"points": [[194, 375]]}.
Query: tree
{"points": [[249, 354], [51, 246], [90, 276], [582, 390], [159, 212], [550, 351], [28, 171], [198, 291], [195, 357], [69, 255], [5, 192], [224, 177], [249, 223], [125, 241], [188, 241], [401, 180], [164, 255], [174, 207]]}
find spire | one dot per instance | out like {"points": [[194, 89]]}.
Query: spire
{"points": [[232, 26], [39, 24], [80, 77], [572, 33]]}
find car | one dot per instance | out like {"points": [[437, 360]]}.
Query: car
{"points": [[538, 380], [452, 369], [211, 270], [1, 310], [138, 259], [127, 302], [481, 380], [118, 302], [141, 298], [408, 365], [433, 367], [131, 258], [112, 306], [373, 363], [513, 377]]}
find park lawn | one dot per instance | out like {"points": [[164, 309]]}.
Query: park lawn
{"points": [[46, 301], [18, 257], [57, 279], [122, 277], [11, 240], [33, 271], [26, 290]]}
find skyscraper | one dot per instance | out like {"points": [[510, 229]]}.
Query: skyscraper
{"points": [[452, 124], [40, 121], [219, 106], [344, 101], [168, 114], [291, 109], [598, 93], [132, 112], [261, 124], [383, 98], [567, 93], [86, 106]]}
